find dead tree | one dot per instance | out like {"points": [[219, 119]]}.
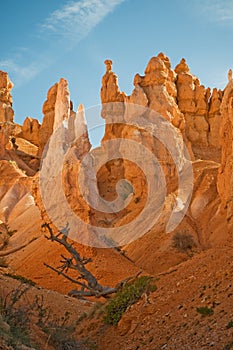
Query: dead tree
{"points": [[88, 284]]}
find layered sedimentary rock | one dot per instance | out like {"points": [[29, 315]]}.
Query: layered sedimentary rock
{"points": [[180, 99], [225, 178], [68, 144], [110, 91], [201, 110], [6, 111], [197, 113], [178, 96], [30, 130], [155, 92], [158, 84], [17, 144], [48, 120], [57, 103], [62, 105]]}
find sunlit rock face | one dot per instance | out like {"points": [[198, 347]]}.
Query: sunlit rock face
{"points": [[6, 111], [201, 110], [48, 120], [225, 183], [179, 97], [30, 130], [201, 118], [155, 94], [142, 119]]}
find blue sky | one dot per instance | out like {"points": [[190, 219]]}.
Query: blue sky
{"points": [[42, 41]]}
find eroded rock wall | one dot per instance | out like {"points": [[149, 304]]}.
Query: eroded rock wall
{"points": [[225, 178], [6, 111], [201, 110]]}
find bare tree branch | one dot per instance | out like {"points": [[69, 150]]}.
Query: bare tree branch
{"points": [[75, 262], [90, 287], [66, 276]]}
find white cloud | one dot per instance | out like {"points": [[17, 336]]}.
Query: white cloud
{"points": [[22, 73], [70, 24], [77, 18], [220, 11]]}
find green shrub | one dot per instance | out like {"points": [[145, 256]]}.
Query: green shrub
{"points": [[230, 324], [127, 296], [205, 311]]}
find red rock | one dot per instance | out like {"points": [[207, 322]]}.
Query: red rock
{"points": [[6, 111]]}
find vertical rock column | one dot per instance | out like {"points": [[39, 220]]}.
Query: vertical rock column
{"points": [[56, 108], [225, 178], [201, 111], [48, 110], [6, 111], [192, 102]]}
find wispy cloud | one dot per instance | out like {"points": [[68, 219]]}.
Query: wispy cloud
{"points": [[77, 18], [69, 24], [220, 11], [22, 73]]}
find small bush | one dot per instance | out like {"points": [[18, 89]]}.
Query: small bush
{"points": [[17, 317], [205, 311], [59, 330], [230, 324], [183, 242], [127, 296]]}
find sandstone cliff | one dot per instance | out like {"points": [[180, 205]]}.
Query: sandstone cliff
{"points": [[179, 97], [198, 276], [6, 111], [201, 110], [197, 115], [226, 137]]}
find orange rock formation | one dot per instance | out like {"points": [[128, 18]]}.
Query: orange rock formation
{"points": [[201, 116]]}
